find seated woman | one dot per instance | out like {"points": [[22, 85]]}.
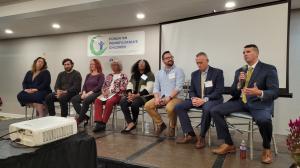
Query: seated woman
{"points": [[139, 91], [36, 86], [90, 91], [113, 88]]}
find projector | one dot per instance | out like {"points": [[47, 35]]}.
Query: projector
{"points": [[43, 130]]}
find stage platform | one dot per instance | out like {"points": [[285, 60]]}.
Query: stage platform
{"points": [[148, 150], [145, 150]]}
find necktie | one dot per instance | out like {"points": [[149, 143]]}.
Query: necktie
{"points": [[202, 85], [248, 77]]}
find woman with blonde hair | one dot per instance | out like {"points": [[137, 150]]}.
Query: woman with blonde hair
{"points": [[36, 86]]}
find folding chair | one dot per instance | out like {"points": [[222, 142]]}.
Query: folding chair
{"points": [[27, 106], [251, 123]]}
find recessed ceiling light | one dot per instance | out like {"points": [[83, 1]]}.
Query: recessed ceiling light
{"points": [[140, 16], [8, 31], [55, 25], [230, 4]]}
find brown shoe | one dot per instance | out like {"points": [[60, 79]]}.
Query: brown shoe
{"points": [[160, 128], [200, 143], [171, 132], [223, 149], [266, 156], [186, 139]]}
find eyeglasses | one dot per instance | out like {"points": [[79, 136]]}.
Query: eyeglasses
{"points": [[168, 58]]}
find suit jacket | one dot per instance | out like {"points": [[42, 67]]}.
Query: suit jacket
{"points": [[266, 79], [215, 91]]}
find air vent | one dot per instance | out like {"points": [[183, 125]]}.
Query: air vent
{"points": [[58, 133]]}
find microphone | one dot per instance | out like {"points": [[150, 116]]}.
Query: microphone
{"points": [[242, 82]]}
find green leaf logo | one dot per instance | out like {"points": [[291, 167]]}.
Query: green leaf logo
{"points": [[101, 47]]}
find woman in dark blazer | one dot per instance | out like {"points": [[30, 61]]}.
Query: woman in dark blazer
{"points": [[36, 86]]}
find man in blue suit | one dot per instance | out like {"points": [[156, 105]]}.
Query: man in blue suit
{"points": [[254, 90], [206, 89]]}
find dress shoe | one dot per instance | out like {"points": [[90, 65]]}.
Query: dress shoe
{"points": [[160, 128], [223, 149], [186, 139], [99, 127], [126, 131], [266, 156], [84, 119], [200, 143]]}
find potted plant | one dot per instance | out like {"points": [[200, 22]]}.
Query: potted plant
{"points": [[293, 140]]}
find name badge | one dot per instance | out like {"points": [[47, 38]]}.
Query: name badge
{"points": [[208, 84], [172, 76], [144, 77]]}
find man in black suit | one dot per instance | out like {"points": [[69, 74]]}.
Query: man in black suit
{"points": [[254, 90], [206, 89]]}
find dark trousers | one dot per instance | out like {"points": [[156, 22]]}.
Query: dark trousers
{"points": [[63, 101], [82, 109], [182, 113], [262, 117], [134, 105]]}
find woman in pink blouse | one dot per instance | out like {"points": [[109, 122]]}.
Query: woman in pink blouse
{"points": [[112, 90]]}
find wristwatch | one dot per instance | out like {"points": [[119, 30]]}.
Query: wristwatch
{"points": [[206, 99]]}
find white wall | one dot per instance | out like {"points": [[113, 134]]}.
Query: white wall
{"points": [[287, 108], [16, 57]]}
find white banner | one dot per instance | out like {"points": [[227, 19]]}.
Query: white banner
{"points": [[117, 44]]}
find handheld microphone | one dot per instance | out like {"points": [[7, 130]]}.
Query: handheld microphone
{"points": [[242, 82]]}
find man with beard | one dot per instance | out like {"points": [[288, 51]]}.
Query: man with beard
{"points": [[168, 83], [67, 85]]}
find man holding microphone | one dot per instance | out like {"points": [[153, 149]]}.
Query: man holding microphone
{"points": [[254, 89]]}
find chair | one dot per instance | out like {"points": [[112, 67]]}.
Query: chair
{"points": [[114, 121], [195, 110], [56, 104], [184, 95], [69, 108], [251, 123], [143, 118], [200, 111], [27, 106], [91, 110]]}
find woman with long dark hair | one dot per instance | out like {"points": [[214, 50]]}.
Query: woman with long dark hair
{"points": [[139, 91], [36, 86]]}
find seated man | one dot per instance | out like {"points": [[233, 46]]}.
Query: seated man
{"points": [[168, 83], [254, 89], [206, 89], [67, 85]]}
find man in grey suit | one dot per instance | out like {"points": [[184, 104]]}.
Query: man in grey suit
{"points": [[207, 84], [254, 90]]}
